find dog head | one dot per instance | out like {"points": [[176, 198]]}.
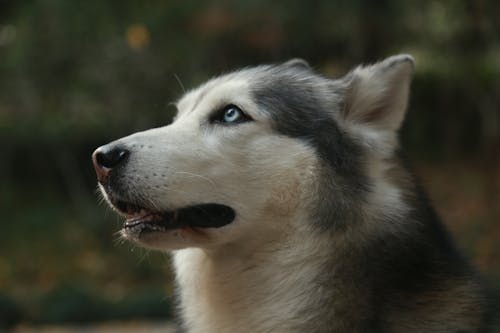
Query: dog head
{"points": [[255, 153]]}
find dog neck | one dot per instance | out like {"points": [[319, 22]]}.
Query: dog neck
{"points": [[276, 286]]}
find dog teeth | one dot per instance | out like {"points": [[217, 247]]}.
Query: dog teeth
{"points": [[138, 226], [132, 222]]}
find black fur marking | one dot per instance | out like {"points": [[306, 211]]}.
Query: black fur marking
{"points": [[291, 97]]}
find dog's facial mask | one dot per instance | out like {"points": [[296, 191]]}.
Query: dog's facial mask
{"points": [[241, 158], [219, 162]]}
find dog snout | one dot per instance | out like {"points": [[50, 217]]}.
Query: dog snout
{"points": [[106, 158]]}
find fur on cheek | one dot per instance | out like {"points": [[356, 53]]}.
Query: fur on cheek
{"points": [[284, 197], [287, 192]]}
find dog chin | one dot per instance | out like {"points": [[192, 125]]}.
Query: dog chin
{"points": [[167, 240]]}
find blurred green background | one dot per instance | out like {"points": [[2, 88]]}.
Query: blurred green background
{"points": [[78, 74]]}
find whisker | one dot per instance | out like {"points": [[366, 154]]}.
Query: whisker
{"points": [[118, 238], [194, 175], [180, 83], [144, 255]]}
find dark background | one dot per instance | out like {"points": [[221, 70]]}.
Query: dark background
{"points": [[78, 74]]}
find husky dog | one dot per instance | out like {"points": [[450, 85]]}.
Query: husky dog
{"points": [[287, 206]]}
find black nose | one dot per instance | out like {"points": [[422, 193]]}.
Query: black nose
{"points": [[110, 157], [106, 158]]}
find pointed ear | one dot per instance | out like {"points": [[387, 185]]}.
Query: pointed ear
{"points": [[297, 62], [377, 95]]}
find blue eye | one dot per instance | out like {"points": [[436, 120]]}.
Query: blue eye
{"points": [[230, 114]]}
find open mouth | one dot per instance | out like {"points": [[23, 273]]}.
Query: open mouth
{"points": [[140, 219]]}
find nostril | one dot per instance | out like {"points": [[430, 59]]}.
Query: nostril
{"points": [[110, 158]]}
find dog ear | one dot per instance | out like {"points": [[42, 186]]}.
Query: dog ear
{"points": [[377, 95], [297, 62]]}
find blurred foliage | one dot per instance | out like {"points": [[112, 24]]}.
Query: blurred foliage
{"points": [[72, 303], [9, 311], [70, 68], [77, 74]]}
